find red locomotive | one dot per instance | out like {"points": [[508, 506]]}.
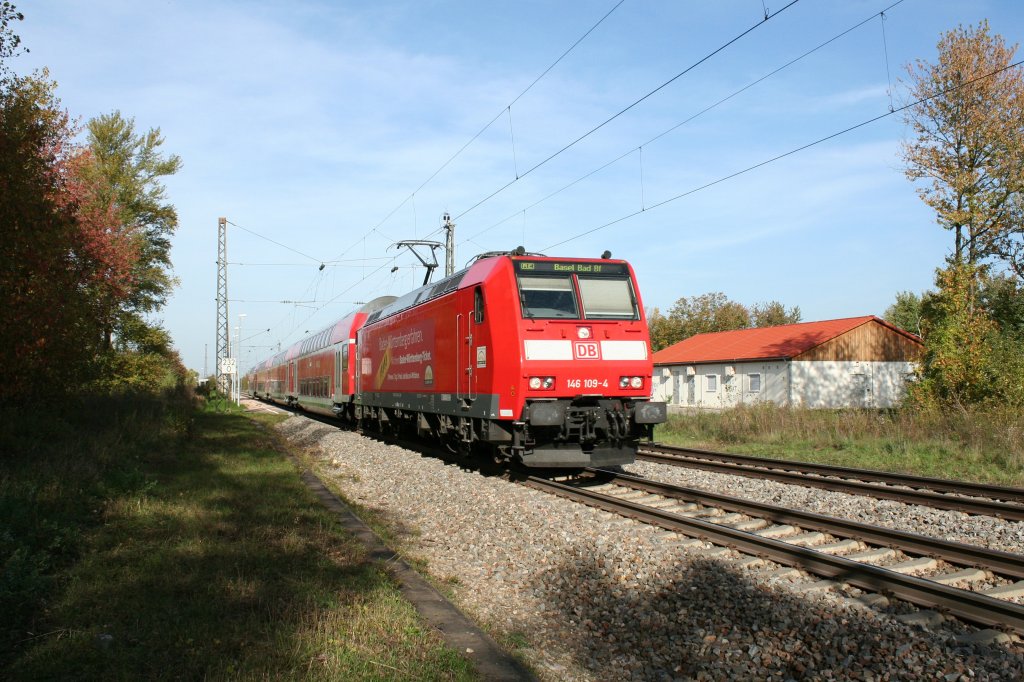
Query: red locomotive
{"points": [[545, 361]]}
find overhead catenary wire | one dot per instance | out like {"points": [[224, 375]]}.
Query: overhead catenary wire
{"points": [[885, 49], [480, 132], [272, 241], [444, 165], [791, 152], [700, 113], [353, 262], [626, 109]]}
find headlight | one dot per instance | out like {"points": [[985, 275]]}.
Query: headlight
{"points": [[549, 382], [542, 383], [636, 382], [584, 332], [535, 383], [623, 382]]}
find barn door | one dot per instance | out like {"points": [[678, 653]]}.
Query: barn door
{"points": [[861, 386]]}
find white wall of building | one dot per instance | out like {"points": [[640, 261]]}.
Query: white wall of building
{"points": [[850, 384], [720, 385], [817, 384]]}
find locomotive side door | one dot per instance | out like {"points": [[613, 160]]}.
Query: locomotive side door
{"points": [[471, 347], [463, 356]]}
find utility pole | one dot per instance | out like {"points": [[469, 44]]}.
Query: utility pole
{"points": [[449, 246], [223, 333]]}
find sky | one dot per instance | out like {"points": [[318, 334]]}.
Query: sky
{"points": [[327, 131]]}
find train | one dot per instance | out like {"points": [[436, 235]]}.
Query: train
{"points": [[525, 358]]}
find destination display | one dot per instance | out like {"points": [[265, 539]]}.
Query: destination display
{"points": [[549, 266]]}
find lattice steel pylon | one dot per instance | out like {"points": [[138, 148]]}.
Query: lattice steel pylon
{"points": [[223, 335]]}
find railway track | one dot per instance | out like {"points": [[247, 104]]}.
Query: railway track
{"points": [[972, 498], [874, 559]]}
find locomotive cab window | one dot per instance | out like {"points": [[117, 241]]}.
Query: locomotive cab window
{"points": [[548, 297], [606, 298], [478, 305]]}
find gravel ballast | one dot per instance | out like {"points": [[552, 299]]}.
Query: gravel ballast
{"points": [[984, 531], [586, 595]]}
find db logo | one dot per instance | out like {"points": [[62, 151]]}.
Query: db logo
{"points": [[586, 350]]}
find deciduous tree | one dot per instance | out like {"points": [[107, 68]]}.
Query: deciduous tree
{"points": [[959, 360], [59, 253], [128, 167], [773, 314], [711, 312], [665, 331], [9, 40], [967, 148], [905, 313]]}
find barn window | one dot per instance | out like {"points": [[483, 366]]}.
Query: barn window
{"points": [[712, 382], [755, 383]]}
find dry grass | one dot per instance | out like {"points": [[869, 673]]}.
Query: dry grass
{"points": [[981, 444]]}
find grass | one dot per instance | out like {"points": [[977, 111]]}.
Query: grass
{"points": [[188, 547], [985, 445]]}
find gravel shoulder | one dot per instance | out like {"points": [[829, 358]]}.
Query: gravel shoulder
{"points": [[586, 595]]}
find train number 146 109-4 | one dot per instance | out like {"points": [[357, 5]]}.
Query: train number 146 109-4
{"points": [[587, 383]]}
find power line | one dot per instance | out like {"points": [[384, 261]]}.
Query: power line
{"points": [[327, 264], [484, 129], [686, 121], [620, 113], [435, 173], [869, 121], [283, 246]]}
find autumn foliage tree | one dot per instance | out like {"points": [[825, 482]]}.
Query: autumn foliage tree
{"points": [[60, 250], [85, 244], [967, 148], [967, 151], [128, 168]]}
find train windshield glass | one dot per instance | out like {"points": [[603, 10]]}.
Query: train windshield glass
{"points": [[606, 298], [548, 297]]}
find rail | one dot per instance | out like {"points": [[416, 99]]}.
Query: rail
{"points": [[971, 606], [972, 498]]}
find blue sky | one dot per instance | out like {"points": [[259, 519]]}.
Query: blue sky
{"points": [[314, 123]]}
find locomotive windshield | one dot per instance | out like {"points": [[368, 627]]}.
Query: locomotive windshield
{"points": [[607, 298], [548, 297], [562, 296]]}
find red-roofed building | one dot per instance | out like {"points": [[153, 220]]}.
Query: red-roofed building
{"points": [[852, 362]]}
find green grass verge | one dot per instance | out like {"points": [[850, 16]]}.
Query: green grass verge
{"points": [[981, 445], [198, 556]]}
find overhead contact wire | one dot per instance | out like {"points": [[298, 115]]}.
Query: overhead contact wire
{"points": [[283, 246], [489, 123], [690, 119], [623, 111], [789, 153]]}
